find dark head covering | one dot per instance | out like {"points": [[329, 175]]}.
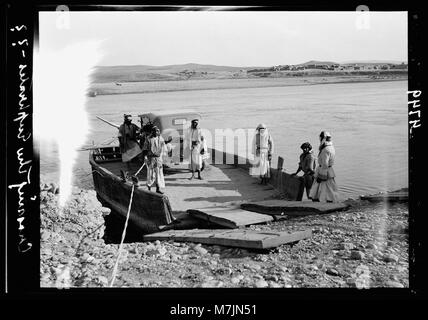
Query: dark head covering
{"points": [[154, 128], [125, 117], [306, 145]]}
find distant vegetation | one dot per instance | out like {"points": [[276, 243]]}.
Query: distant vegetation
{"points": [[192, 71]]}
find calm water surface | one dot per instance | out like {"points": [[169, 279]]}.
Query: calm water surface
{"points": [[368, 123]]}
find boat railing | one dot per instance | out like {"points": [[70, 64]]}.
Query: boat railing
{"points": [[106, 154]]}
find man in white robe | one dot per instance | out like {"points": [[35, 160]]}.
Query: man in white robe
{"points": [[156, 149], [196, 146], [262, 151], [324, 188]]}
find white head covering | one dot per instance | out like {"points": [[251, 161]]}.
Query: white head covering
{"points": [[260, 126], [325, 134]]}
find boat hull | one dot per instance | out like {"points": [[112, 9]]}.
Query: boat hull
{"points": [[151, 211], [148, 211]]}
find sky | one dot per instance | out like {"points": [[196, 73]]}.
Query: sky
{"points": [[230, 38]]}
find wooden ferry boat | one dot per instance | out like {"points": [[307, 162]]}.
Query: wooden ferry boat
{"points": [[226, 182]]}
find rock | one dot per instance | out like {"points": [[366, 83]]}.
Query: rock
{"points": [[393, 277], [45, 277], [273, 278], [283, 269], [357, 255], [273, 284], [262, 258], [371, 246], [351, 282], [235, 280], [261, 284], [200, 250], [402, 269], [133, 250], [346, 246], [105, 211], [45, 235], [43, 195], [394, 284], [376, 261], [103, 280], [332, 272], [300, 277], [156, 252], [254, 266], [212, 284], [390, 258]]}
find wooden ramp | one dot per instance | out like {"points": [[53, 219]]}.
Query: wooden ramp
{"points": [[229, 217], [393, 196], [293, 208], [233, 238]]}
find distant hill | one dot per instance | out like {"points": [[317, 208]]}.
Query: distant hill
{"points": [[138, 73], [317, 62], [147, 73], [371, 62]]}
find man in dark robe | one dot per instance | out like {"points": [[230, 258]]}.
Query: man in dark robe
{"points": [[128, 141], [307, 165]]}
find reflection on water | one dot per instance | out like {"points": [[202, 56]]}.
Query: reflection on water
{"points": [[368, 122]]}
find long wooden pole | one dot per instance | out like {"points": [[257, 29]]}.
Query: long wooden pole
{"points": [[108, 122]]}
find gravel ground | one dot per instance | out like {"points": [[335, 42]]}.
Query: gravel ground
{"points": [[364, 247]]}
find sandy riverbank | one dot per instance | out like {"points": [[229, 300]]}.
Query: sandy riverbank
{"points": [[366, 246], [109, 88]]}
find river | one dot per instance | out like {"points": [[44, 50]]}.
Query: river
{"points": [[367, 121]]}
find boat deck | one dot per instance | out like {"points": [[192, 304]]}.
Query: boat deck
{"points": [[222, 185]]}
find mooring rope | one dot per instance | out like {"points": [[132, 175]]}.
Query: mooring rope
{"points": [[123, 238], [136, 174]]}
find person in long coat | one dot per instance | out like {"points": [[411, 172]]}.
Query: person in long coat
{"points": [[262, 151], [128, 141], [196, 147], [324, 188], [156, 149]]}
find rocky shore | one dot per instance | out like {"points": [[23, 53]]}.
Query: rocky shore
{"points": [[364, 247]]}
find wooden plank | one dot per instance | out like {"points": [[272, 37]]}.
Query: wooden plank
{"points": [[232, 238], [293, 208], [229, 217]]}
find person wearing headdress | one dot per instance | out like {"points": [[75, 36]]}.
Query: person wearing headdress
{"points": [[307, 165], [262, 151], [156, 149], [196, 145], [128, 141], [324, 188], [146, 132]]}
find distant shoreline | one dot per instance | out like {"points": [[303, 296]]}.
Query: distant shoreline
{"points": [[144, 87]]}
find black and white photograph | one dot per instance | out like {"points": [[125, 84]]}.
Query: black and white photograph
{"points": [[221, 147]]}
